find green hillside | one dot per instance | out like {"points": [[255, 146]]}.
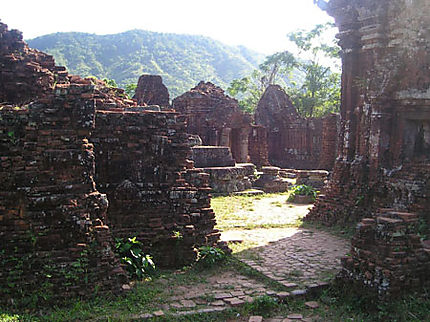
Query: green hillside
{"points": [[182, 60]]}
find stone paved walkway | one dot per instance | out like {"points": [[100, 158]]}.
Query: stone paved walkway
{"points": [[217, 293], [305, 257], [302, 260]]}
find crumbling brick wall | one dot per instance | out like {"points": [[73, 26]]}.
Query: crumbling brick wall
{"points": [[25, 73], [329, 140], [52, 219], [383, 154], [385, 92], [295, 142], [258, 146], [387, 255], [55, 232], [141, 159]]}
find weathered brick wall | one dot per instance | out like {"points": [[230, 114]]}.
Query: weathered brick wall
{"points": [[294, 142], [25, 73], [140, 164], [329, 140], [385, 95], [54, 228], [387, 255], [52, 219], [212, 156], [384, 151]]}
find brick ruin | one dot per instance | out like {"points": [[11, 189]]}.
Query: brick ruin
{"points": [[229, 140], [216, 118], [80, 165], [382, 169], [150, 90], [279, 136], [142, 167], [293, 141]]}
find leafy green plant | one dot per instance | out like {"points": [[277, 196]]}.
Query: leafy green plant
{"points": [[302, 190], [130, 89], [177, 235], [110, 82], [359, 200], [138, 264], [12, 137], [209, 256], [263, 305]]}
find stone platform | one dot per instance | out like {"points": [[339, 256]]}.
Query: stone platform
{"points": [[212, 156], [232, 178]]}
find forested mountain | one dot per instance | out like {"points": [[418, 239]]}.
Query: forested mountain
{"points": [[182, 60]]}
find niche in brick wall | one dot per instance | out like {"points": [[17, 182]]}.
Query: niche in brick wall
{"points": [[417, 140]]}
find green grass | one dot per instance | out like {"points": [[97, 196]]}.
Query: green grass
{"points": [[145, 297], [226, 205], [238, 212]]}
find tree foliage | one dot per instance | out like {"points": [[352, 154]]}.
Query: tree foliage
{"points": [[130, 89], [248, 90], [275, 66], [273, 70], [315, 90], [110, 82], [319, 94]]}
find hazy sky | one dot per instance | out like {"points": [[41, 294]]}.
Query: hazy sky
{"points": [[258, 25]]}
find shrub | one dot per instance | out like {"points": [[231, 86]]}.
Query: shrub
{"points": [[209, 256], [302, 190], [138, 264]]}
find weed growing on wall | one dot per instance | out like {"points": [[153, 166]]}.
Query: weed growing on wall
{"points": [[138, 264]]}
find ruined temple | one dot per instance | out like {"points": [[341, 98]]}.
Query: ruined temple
{"points": [[293, 141], [150, 90], [382, 169], [216, 118], [80, 166]]}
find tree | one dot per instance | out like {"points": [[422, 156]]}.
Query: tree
{"points": [[130, 89], [276, 65], [316, 94], [319, 94], [250, 89]]}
